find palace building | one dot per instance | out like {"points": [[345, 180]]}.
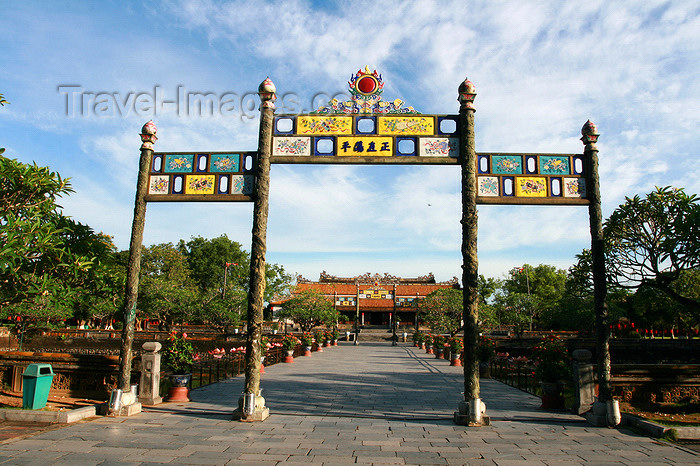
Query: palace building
{"points": [[376, 299]]}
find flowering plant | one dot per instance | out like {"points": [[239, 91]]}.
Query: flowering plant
{"points": [[264, 345], [456, 345], [178, 354], [438, 341], [485, 349], [307, 339], [290, 342], [320, 337], [418, 337], [335, 334], [217, 353], [328, 334], [551, 360]]}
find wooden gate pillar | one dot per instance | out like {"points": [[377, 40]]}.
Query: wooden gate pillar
{"points": [[471, 408], [605, 411], [148, 137], [259, 411]]}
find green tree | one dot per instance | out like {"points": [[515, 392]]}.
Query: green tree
{"points": [[514, 309], [207, 260], [221, 268], [652, 249], [166, 291], [442, 310], [49, 264], [651, 242], [488, 315], [575, 310], [310, 308], [537, 291]]}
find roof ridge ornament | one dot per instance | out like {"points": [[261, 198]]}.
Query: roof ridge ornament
{"points": [[365, 88]]}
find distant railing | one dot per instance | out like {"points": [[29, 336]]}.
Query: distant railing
{"points": [[213, 370], [516, 373]]}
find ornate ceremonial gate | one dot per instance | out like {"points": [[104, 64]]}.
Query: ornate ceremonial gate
{"points": [[368, 130]]}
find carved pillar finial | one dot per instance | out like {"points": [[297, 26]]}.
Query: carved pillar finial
{"points": [[148, 135], [589, 135], [267, 92], [467, 94]]}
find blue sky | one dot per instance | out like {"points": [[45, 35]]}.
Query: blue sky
{"points": [[541, 69]]}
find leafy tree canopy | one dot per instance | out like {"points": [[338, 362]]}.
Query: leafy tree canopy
{"points": [[310, 308], [442, 310], [50, 265], [650, 242]]}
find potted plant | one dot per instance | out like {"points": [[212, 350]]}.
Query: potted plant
{"points": [[485, 351], [289, 343], [264, 345], [417, 339], [552, 369], [456, 348], [328, 336], [320, 337], [178, 354], [439, 346], [178, 357], [429, 344], [334, 336], [307, 340]]}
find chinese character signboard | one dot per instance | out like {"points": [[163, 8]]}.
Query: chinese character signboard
{"points": [[366, 138]]}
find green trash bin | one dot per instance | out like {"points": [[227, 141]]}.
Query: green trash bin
{"points": [[36, 383]]}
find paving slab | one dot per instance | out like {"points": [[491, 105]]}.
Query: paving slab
{"points": [[366, 404]]}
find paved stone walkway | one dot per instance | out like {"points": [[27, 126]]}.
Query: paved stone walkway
{"points": [[366, 404]]}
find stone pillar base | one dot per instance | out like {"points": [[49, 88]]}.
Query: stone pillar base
{"points": [[127, 410], [462, 417], [151, 401], [604, 414], [258, 416]]}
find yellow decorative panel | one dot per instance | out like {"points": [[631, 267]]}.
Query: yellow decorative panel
{"points": [[199, 184], [365, 146], [530, 186], [405, 125], [324, 125]]}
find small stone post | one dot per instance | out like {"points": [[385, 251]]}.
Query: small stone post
{"points": [[150, 374], [471, 409], [584, 381], [252, 393]]}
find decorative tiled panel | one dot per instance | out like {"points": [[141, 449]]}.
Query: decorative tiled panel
{"points": [[366, 135], [286, 145], [406, 302], [439, 147], [209, 176], [345, 301], [531, 179], [407, 125], [376, 293]]}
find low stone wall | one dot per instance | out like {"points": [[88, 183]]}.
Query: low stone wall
{"points": [[89, 376], [659, 383]]}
